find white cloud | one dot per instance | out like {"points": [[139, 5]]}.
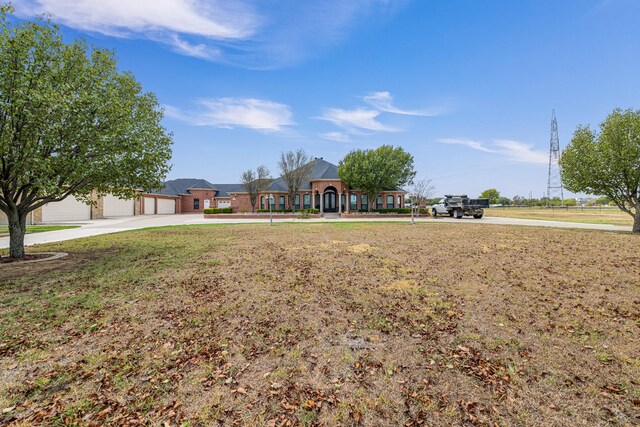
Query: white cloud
{"points": [[383, 101], [511, 150], [124, 18], [337, 136], [364, 120], [248, 33], [467, 143], [521, 152], [356, 120], [257, 114]]}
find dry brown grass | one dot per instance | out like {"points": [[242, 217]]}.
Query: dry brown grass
{"points": [[612, 216], [328, 324]]}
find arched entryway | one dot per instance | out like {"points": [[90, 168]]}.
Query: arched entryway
{"points": [[329, 199]]}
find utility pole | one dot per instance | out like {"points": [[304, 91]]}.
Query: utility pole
{"points": [[554, 182]]}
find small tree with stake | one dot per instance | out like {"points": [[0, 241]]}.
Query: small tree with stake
{"points": [[295, 167], [607, 162], [421, 190], [255, 182], [70, 123]]}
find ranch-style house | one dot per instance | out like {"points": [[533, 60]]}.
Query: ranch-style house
{"points": [[324, 191]]}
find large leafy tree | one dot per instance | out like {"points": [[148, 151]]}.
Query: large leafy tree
{"points": [[70, 123], [295, 169], [372, 171], [607, 163], [255, 182]]}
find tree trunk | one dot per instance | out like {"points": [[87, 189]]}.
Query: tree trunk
{"points": [[17, 229], [636, 222]]}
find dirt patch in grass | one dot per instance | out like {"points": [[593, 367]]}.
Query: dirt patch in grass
{"points": [[432, 324], [18, 270]]}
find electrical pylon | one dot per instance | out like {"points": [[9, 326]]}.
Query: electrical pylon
{"points": [[554, 183]]}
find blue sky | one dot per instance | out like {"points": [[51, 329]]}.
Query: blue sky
{"points": [[466, 86]]}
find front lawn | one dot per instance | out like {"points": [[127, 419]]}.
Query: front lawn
{"points": [[4, 230], [325, 324]]}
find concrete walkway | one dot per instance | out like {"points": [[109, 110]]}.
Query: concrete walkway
{"points": [[114, 225]]}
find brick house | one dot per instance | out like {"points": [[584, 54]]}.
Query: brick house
{"points": [[324, 191]]}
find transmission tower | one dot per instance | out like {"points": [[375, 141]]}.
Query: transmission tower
{"points": [[554, 184]]}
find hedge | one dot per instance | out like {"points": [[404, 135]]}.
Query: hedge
{"points": [[210, 211], [309, 211], [390, 210]]}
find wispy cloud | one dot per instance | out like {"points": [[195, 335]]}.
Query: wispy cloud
{"points": [[249, 33], [356, 120], [257, 114], [467, 143], [336, 136], [383, 101], [511, 150], [521, 152], [365, 120]]}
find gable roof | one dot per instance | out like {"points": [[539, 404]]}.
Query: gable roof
{"points": [[321, 169], [177, 187]]}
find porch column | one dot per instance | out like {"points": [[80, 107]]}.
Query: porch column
{"points": [[340, 203], [313, 199], [321, 207]]}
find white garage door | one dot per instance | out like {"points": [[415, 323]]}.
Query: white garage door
{"points": [[69, 209], [224, 203], [149, 205], [166, 206], [114, 206]]}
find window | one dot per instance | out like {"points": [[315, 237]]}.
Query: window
{"points": [[390, 201], [196, 204], [343, 201], [379, 203], [399, 201], [281, 202], [272, 202], [306, 199], [364, 202], [296, 202], [353, 202], [261, 202]]}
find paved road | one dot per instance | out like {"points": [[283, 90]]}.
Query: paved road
{"points": [[114, 225]]}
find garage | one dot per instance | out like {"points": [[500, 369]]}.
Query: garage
{"points": [[69, 209], [224, 203], [113, 206], [166, 206], [149, 205]]}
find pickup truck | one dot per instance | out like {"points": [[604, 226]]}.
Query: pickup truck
{"points": [[458, 206]]}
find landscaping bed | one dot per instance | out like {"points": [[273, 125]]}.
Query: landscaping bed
{"points": [[313, 324], [289, 215]]}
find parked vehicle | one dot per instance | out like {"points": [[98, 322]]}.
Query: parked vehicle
{"points": [[458, 206]]}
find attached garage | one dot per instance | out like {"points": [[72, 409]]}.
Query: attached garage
{"points": [[224, 203], [69, 209], [114, 206], [149, 205], [166, 206]]}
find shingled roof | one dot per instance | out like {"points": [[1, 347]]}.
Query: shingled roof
{"points": [[321, 170], [177, 187]]}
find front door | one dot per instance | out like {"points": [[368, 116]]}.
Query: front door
{"points": [[207, 203], [329, 204]]}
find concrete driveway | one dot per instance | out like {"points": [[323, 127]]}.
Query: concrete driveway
{"points": [[114, 225]]}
